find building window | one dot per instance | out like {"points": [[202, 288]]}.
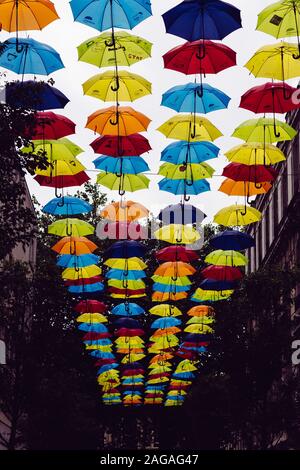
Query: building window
{"points": [[285, 190], [267, 229], [259, 244], [275, 210], [296, 165], [2, 353]]}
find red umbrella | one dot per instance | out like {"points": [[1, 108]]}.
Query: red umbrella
{"points": [[128, 292], [270, 98], [50, 125], [159, 376], [200, 57], [124, 231], [222, 273], [65, 181], [90, 306], [80, 282], [131, 372], [129, 332], [114, 146], [103, 361], [93, 336], [176, 253], [253, 173]]}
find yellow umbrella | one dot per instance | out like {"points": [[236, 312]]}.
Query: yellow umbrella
{"points": [[124, 296], [187, 127], [134, 263], [186, 366], [177, 234], [125, 86], [211, 295], [237, 215], [193, 172], [165, 310], [99, 347], [168, 296], [264, 130], [162, 363], [127, 284], [198, 329], [92, 318], [276, 61], [200, 320], [132, 358], [62, 168], [158, 380], [226, 258], [254, 153], [70, 227], [83, 273], [180, 281]]}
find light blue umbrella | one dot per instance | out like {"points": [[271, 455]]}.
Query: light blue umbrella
{"points": [[165, 322], [184, 187], [94, 327], [122, 165], [107, 367], [102, 355], [120, 275], [131, 381], [127, 310], [67, 205], [73, 261], [102, 342], [109, 14], [128, 392], [184, 375], [192, 98], [97, 287], [189, 152], [169, 288], [29, 56]]}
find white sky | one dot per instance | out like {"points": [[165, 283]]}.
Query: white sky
{"points": [[65, 34]]}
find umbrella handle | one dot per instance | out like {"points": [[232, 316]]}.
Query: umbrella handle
{"points": [[174, 278], [73, 252], [121, 192], [57, 194], [277, 134], [61, 203], [187, 198], [202, 52], [69, 232], [77, 269], [244, 212], [116, 121], [258, 185], [117, 87]]}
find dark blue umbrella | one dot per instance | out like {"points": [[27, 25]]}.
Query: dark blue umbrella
{"points": [[202, 19], [181, 214], [125, 249], [39, 96], [209, 284], [194, 338], [127, 323], [232, 240]]}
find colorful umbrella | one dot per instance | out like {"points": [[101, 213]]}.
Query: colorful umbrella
{"points": [[232, 240], [264, 130], [176, 253], [177, 234], [124, 211], [212, 284], [200, 311], [185, 187], [254, 173], [39, 96], [69, 206], [181, 214], [186, 127], [165, 310], [74, 261], [62, 181], [180, 281], [74, 246], [170, 287], [89, 305], [121, 85], [71, 227], [254, 153], [222, 273], [237, 215], [123, 182], [27, 56], [126, 264], [270, 98], [197, 19], [243, 188], [226, 258], [125, 249], [189, 152], [126, 165], [117, 146], [191, 171], [117, 120], [175, 269], [85, 273], [123, 275], [127, 309], [123, 231], [110, 14], [51, 126], [201, 295]]}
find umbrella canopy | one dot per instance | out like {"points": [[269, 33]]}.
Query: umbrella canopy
{"points": [[264, 130], [117, 146], [126, 264], [27, 56], [200, 311], [74, 246], [107, 14], [226, 258], [201, 295], [116, 120], [254, 153], [125, 275], [176, 253], [123, 182], [168, 296], [51, 126], [62, 181], [232, 240], [278, 61], [127, 284], [191, 171], [170, 287], [27, 15], [270, 98], [125, 249], [68, 206], [128, 49], [62, 168], [187, 127], [175, 269], [211, 284], [280, 19], [71, 227], [181, 214], [222, 273], [93, 318], [254, 173], [124, 211], [127, 309], [81, 273], [93, 306], [185, 58], [184, 187], [129, 86], [243, 188], [192, 98], [237, 215], [82, 282], [86, 288], [177, 234], [124, 231], [63, 149], [180, 281], [165, 322], [165, 310], [74, 261], [38, 96], [197, 19], [189, 152], [122, 165]]}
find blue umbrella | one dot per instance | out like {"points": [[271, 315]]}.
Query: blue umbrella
{"points": [[209, 284], [122, 165], [196, 338], [189, 152], [133, 365], [185, 187], [102, 342], [166, 322], [129, 309], [127, 323], [176, 397], [102, 355], [183, 375], [73, 261], [155, 387], [131, 381], [39, 96], [121, 275], [181, 214], [29, 57], [67, 206], [128, 392], [110, 14], [93, 327], [202, 19], [170, 288], [232, 240], [107, 367], [97, 287], [194, 98], [125, 249]]}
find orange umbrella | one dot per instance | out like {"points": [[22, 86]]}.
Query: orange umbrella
{"points": [[74, 246], [26, 15], [175, 269], [243, 188], [132, 351], [161, 358], [165, 296], [167, 331], [126, 211], [120, 121], [201, 311]]}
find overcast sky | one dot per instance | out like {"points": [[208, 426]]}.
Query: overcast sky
{"points": [[65, 34]]}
